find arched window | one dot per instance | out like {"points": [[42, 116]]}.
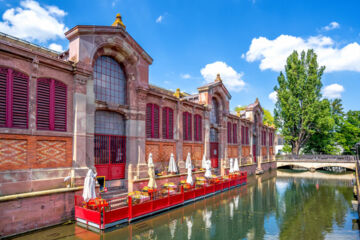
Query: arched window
{"points": [[109, 81], [13, 99], [187, 119], [152, 120], [197, 127], [167, 123], [214, 114], [51, 105]]}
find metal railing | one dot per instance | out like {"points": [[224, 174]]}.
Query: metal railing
{"points": [[316, 158]]}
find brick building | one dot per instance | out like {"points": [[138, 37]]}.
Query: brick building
{"points": [[93, 107]]}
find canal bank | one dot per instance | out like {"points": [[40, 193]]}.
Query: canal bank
{"points": [[269, 206]]}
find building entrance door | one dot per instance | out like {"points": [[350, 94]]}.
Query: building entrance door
{"points": [[214, 154], [110, 156], [254, 152]]}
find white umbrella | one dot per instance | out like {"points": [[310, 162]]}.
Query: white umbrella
{"points": [[236, 165], [172, 165], [231, 166], [151, 172], [208, 169], [203, 162], [188, 161], [189, 178], [89, 186]]}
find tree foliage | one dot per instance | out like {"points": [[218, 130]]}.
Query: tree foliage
{"points": [[348, 132], [268, 118], [299, 110]]}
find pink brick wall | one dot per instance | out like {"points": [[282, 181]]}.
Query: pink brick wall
{"points": [[26, 214]]}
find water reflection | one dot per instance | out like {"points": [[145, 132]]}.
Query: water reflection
{"points": [[269, 207]]}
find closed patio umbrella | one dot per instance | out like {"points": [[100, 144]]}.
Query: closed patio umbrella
{"points": [[172, 164], [89, 186], [236, 165], [208, 169], [231, 166], [188, 161], [189, 178], [151, 172], [203, 162]]}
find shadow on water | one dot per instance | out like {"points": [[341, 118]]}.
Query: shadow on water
{"points": [[275, 205]]}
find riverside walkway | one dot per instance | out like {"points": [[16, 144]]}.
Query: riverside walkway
{"points": [[313, 162]]}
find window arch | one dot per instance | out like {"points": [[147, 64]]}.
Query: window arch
{"points": [[214, 114], [187, 119], [167, 123], [152, 120], [109, 81], [198, 127], [13, 98], [51, 105]]}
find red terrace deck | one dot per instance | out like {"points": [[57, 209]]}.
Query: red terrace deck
{"points": [[109, 217]]}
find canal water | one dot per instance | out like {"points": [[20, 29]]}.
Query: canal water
{"points": [[276, 205]]}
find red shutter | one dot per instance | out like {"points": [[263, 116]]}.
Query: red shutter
{"points": [[164, 123], [60, 106], [242, 135], [148, 120], [184, 126], [198, 128], [235, 133], [229, 132], [43, 104], [247, 135], [156, 121], [170, 128], [3, 83], [189, 128]]}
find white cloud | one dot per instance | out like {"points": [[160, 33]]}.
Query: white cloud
{"points": [[159, 19], [333, 91], [272, 54], [232, 79], [331, 26], [34, 22], [56, 47], [273, 96], [185, 76]]}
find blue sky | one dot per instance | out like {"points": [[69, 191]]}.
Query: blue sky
{"points": [[247, 41]]}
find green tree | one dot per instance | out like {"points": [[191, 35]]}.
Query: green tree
{"points": [[299, 110], [348, 133], [322, 141], [268, 118]]}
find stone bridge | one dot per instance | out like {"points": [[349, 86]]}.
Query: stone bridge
{"points": [[313, 162]]}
